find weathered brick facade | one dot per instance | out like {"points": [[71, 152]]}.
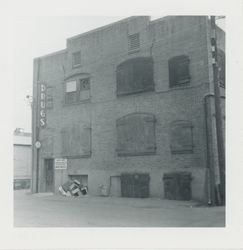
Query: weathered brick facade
{"points": [[102, 50]]}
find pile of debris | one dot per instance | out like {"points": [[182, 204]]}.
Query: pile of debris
{"points": [[73, 188]]}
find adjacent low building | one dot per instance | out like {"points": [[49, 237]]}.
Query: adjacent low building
{"points": [[22, 159], [127, 103]]}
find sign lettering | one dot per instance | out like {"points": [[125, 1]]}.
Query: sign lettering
{"points": [[60, 163], [42, 104]]}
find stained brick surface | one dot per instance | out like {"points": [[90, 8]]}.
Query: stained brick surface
{"points": [[101, 51]]}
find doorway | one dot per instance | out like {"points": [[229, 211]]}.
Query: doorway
{"points": [[115, 186], [49, 169]]}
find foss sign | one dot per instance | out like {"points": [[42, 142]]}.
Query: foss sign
{"points": [[42, 105]]}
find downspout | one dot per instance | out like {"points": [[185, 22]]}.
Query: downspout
{"points": [[208, 168]]}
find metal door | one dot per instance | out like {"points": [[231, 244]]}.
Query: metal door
{"points": [[49, 175]]}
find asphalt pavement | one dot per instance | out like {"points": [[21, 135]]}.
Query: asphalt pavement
{"points": [[48, 210]]}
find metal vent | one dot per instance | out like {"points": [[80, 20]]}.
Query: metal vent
{"points": [[134, 42]]}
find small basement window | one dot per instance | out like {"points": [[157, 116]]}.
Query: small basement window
{"points": [[76, 59]]}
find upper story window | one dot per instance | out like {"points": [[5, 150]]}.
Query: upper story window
{"points": [[221, 65], [133, 42], [76, 59], [136, 134], [135, 75], [179, 71], [77, 90]]}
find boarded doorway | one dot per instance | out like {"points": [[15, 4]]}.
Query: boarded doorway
{"points": [[115, 186], [49, 169]]}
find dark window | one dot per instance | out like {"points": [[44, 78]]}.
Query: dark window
{"points": [[133, 42], [76, 58], [221, 65], [136, 134], [135, 75], [181, 137], [77, 91], [179, 71]]}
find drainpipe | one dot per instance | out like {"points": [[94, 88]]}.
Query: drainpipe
{"points": [[218, 112], [210, 166]]}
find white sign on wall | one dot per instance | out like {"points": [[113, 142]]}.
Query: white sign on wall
{"points": [[60, 163]]}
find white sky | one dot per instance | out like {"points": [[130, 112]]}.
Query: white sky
{"points": [[37, 36]]}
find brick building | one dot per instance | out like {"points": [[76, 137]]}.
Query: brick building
{"points": [[135, 96]]}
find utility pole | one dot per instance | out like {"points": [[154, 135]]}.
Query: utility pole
{"points": [[218, 113]]}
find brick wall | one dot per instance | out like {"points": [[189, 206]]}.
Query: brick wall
{"points": [[101, 51]]}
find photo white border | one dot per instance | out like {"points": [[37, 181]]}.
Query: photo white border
{"points": [[230, 237]]}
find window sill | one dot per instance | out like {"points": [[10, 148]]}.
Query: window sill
{"points": [[121, 154], [133, 51], [181, 151], [136, 92], [76, 66], [88, 155]]}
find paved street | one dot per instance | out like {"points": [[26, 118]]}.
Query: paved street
{"points": [[46, 210]]}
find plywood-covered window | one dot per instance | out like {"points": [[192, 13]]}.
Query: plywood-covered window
{"points": [[181, 137], [76, 141], [179, 71], [135, 75], [136, 134]]}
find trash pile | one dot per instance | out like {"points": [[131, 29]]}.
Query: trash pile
{"points": [[73, 188]]}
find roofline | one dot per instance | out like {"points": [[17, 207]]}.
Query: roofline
{"points": [[52, 54], [21, 144], [104, 27]]}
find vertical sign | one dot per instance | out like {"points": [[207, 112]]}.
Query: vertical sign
{"points": [[42, 111]]}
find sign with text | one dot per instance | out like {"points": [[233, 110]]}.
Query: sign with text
{"points": [[42, 105], [60, 163]]}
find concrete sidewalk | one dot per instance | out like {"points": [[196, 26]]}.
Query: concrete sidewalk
{"points": [[47, 210]]}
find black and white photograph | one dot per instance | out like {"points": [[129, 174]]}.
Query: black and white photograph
{"points": [[122, 123], [127, 124]]}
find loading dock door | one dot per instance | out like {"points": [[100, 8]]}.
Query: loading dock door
{"points": [[49, 167]]}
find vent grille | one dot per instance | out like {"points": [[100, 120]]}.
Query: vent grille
{"points": [[134, 42]]}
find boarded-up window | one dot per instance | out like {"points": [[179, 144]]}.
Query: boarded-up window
{"points": [[136, 134], [221, 65], [181, 137], [47, 145], [76, 141], [135, 75], [133, 42], [179, 71], [77, 91]]}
